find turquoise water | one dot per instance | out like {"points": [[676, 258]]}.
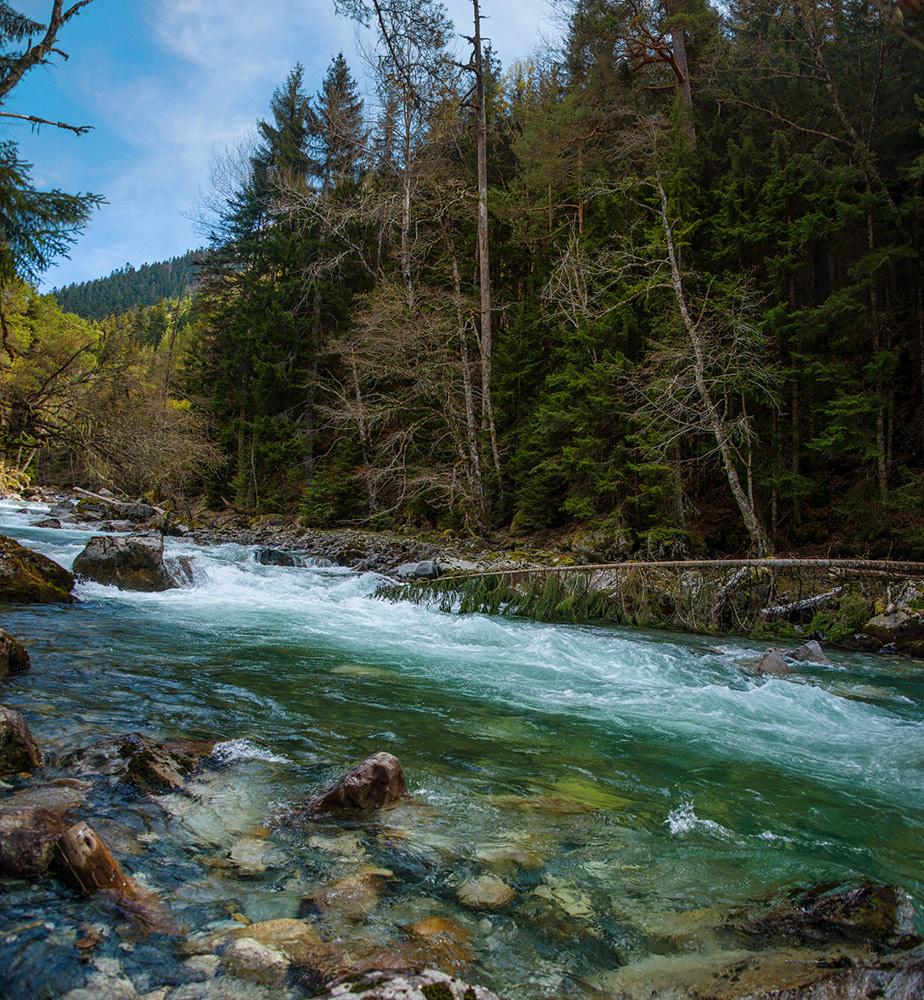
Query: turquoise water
{"points": [[648, 775]]}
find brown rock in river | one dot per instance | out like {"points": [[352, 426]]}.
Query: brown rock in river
{"points": [[145, 763], [13, 656], [29, 578], [18, 751], [376, 783]]}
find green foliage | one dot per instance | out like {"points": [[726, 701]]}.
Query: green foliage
{"points": [[852, 611]]}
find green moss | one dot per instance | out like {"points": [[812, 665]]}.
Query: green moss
{"points": [[469, 994], [849, 616], [437, 991]]}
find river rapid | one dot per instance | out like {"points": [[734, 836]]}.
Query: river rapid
{"points": [[647, 777]]}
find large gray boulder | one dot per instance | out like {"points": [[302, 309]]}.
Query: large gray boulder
{"points": [[26, 577], [133, 563]]}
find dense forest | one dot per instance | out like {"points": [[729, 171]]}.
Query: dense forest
{"points": [[129, 288], [661, 286]]}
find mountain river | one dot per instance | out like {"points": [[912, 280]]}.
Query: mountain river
{"points": [[644, 777]]}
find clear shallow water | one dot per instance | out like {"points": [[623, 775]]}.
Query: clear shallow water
{"points": [[649, 774]]}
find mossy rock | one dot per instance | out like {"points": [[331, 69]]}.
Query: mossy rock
{"points": [[26, 577]]}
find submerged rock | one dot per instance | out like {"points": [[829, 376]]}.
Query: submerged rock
{"points": [[27, 839], [248, 959], [486, 893], [145, 763], [47, 522], [873, 913], [26, 577], [14, 659], [405, 985], [133, 563], [376, 783], [18, 751], [31, 821]]}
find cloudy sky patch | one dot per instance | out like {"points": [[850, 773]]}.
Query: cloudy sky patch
{"points": [[167, 84]]}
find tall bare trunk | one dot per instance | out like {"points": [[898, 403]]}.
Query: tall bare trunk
{"points": [[471, 422], [714, 419], [484, 264]]}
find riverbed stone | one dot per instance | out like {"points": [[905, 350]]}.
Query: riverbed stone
{"points": [[248, 959], [486, 893], [507, 859], [145, 763], [18, 751], [873, 913], [376, 783], [133, 563], [27, 839], [14, 659], [26, 577], [428, 984], [350, 898]]}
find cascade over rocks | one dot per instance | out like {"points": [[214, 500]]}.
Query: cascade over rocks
{"points": [[14, 659], [26, 577], [376, 783], [18, 751], [134, 563]]}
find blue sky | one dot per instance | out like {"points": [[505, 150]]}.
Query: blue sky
{"points": [[166, 84]]}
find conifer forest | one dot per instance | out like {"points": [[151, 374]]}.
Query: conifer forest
{"points": [[662, 281]]}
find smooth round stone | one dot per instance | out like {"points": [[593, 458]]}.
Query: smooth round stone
{"points": [[486, 893]]}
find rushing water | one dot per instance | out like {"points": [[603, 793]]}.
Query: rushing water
{"points": [[648, 775]]}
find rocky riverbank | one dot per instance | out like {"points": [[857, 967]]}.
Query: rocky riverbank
{"points": [[875, 612]]}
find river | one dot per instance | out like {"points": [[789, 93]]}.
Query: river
{"points": [[647, 776]]}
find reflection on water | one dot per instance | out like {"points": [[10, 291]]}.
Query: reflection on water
{"points": [[624, 784]]}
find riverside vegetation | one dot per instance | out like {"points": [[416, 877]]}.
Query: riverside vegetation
{"points": [[698, 332]]}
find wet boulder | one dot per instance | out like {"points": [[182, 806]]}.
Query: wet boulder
{"points": [[427, 569], [771, 664], [873, 913], [376, 783], [18, 751], [26, 577], [811, 652], [275, 557], [14, 659], [133, 563], [31, 822], [47, 522], [148, 765], [896, 631], [136, 513]]}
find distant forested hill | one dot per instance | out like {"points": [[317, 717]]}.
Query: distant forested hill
{"points": [[129, 287]]}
